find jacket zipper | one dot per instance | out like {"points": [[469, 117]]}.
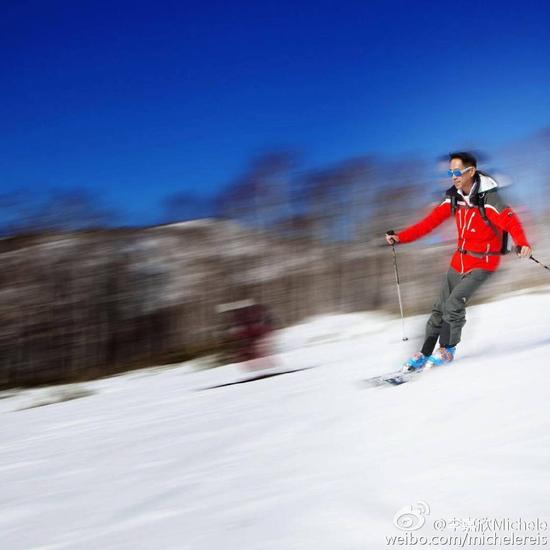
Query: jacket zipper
{"points": [[464, 226]]}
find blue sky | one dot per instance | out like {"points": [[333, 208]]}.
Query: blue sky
{"points": [[139, 100]]}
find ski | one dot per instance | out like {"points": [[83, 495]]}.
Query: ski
{"points": [[399, 377], [395, 378]]}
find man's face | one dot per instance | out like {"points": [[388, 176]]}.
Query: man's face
{"points": [[466, 179]]}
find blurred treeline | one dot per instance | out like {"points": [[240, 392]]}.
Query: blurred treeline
{"points": [[80, 298]]}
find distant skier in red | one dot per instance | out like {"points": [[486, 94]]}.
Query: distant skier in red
{"points": [[252, 326], [483, 221]]}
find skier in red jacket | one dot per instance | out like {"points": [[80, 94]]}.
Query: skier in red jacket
{"points": [[483, 222]]}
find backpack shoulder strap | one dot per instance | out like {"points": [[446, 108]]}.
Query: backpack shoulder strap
{"points": [[452, 194], [481, 198]]}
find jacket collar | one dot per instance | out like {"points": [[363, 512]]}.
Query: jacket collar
{"points": [[482, 183]]}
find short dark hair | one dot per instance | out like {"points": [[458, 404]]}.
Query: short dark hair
{"points": [[467, 158]]}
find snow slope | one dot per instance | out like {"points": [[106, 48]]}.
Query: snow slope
{"points": [[309, 460]]}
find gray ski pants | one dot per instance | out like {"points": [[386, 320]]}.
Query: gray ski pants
{"points": [[449, 312]]}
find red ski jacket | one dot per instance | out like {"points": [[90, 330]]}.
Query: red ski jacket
{"points": [[479, 241]]}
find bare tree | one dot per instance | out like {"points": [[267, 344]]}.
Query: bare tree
{"points": [[61, 210], [185, 206], [262, 195]]}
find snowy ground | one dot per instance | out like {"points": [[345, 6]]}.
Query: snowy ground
{"points": [[309, 460]]}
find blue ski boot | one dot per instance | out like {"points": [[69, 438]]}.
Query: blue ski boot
{"points": [[415, 363], [442, 356]]}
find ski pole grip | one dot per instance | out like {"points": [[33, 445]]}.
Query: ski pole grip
{"points": [[517, 249], [391, 232]]}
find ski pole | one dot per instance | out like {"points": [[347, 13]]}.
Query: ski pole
{"points": [[518, 248], [396, 272]]}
